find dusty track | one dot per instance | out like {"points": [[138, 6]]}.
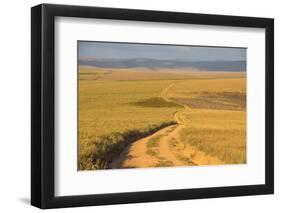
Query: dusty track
{"points": [[165, 147]]}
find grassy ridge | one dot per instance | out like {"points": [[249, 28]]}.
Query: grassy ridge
{"points": [[155, 102]]}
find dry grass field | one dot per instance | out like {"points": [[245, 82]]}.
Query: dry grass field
{"points": [[155, 118], [216, 116]]}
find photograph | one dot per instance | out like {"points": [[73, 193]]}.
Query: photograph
{"points": [[151, 105]]}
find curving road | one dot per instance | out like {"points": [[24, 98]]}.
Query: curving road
{"points": [[167, 148]]}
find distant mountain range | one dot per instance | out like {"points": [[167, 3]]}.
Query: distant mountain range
{"points": [[155, 64]]}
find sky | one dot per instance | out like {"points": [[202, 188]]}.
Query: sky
{"points": [[111, 50]]}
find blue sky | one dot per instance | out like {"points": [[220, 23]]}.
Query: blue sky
{"points": [[108, 50]]}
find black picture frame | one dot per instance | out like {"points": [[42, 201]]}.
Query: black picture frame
{"points": [[43, 102]]}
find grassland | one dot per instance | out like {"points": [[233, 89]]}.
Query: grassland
{"points": [[110, 109], [217, 116], [118, 107]]}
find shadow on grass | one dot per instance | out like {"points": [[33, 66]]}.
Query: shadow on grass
{"points": [[154, 102], [109, 147]]}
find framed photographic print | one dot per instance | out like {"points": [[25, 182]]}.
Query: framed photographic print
{"points": [[140, 106]]}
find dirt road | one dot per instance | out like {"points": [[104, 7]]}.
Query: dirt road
{"points": [[165, 147]]}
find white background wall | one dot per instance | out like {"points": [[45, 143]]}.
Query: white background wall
{"points": [[15, 105]]}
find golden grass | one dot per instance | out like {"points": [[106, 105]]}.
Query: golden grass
{"points": [[216, 116], [117, 104], [111, 106], [219, 133], [108, 107], [225, 94], [137, 74]]}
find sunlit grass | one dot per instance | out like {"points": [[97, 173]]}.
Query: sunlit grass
{"points": [[219, 133], [118, 108], [216, 118]]}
